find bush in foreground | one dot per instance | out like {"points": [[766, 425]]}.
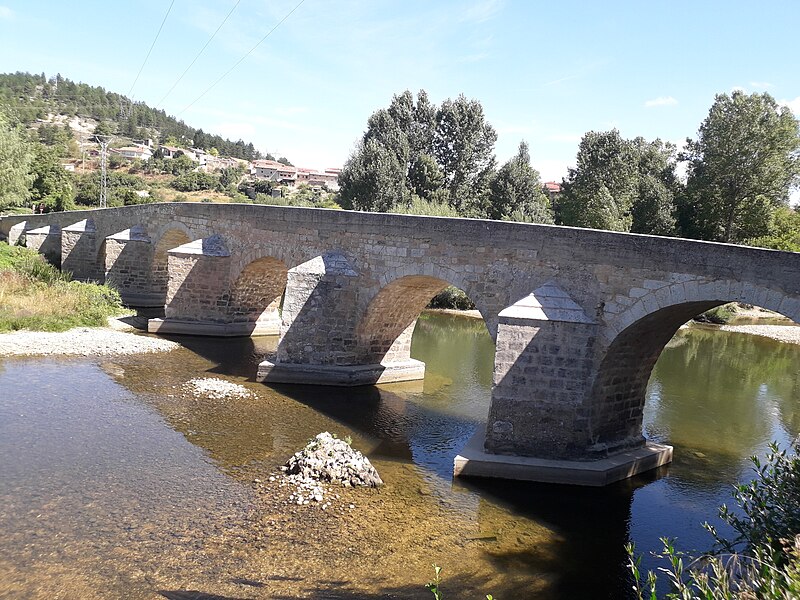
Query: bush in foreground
{"points": [[762, 561]]}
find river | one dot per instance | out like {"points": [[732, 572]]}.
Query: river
{"points": [[117, 482]]}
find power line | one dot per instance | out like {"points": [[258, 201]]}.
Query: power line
{"points": [[203, 49], [151, 48], [249, 52]]}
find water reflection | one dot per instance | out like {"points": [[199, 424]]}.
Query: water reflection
{"points": [[112, 462]]}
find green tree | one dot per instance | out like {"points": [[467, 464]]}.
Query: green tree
{"points": [[516, 191], [16, 158], [621, 185], [52, 184], [413, 148], [179, 165], [105, 128], [463, 145], [653, 209], [195, 181], [213, 151], [373, 179], [741, 168], [230, 176], [424, 176], [56, 136], [784, 233], [599, 193]]}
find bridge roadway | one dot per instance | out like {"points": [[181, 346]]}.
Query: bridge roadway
{"points": [[579, 317]]}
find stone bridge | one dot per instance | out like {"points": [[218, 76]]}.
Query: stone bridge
{"points": [[578, 316]]}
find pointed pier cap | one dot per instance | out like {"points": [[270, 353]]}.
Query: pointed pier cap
{"points": [[210, 246], [547, 303], [85, 226], [137, 233], [46, 230], [330, 263]]}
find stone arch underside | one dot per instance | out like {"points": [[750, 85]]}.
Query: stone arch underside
{"points": [[384, 333], [257, 292], [159, 273], [618, 392]]}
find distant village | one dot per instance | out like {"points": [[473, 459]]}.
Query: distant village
{"points": [[268, 170]]}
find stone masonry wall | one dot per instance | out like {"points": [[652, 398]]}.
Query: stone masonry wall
{"points": [[198, 287], [47, 243], [79, 253], [618, 280], [258, 291], [127, 266], [542, 373]]}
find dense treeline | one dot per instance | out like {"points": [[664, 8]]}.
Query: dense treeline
{"points": [[417, 157], [32, 97]]}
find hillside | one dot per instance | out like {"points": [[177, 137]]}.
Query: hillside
{"points": [[36, 97]]}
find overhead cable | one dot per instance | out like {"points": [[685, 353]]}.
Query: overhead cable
{"points": [[151, 49], [249, 52], [174, 85]]}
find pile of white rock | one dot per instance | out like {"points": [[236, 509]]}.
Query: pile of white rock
{"points": [[218, 389], [327, 458]]}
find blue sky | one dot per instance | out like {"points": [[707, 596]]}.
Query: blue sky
{"points": [[546, 72]]}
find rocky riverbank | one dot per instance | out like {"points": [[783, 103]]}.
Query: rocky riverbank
{"points": [[82, 341], [789, 334]]}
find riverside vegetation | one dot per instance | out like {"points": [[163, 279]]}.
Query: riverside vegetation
{"points": [[762, 561], [35, 295]]}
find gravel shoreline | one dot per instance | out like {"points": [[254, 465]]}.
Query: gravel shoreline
{"points": [[82, 341], [85, 341], [782, 333]]}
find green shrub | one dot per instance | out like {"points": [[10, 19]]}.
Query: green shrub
{"points": [[194, 181], [38, 296], [719, 315], [431, 208], [452, 298], [762, 561]]}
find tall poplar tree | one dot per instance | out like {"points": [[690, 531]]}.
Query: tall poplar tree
{"points": [[741, 168], [16, 158]]}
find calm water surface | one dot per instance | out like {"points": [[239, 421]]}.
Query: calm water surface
{"points": [[115, 482]]}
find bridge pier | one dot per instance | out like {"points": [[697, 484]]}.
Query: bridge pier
{"points": [[199, 294], [79, 251], [319, 344], [128, 257], [47, 242], [542, 414]]}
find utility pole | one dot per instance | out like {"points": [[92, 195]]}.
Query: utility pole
{"points": [[104, 141]]}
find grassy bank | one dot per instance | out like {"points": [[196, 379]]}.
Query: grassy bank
{"points": [[34, 295]]}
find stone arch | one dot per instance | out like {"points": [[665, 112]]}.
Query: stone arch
{"points": [[634, 339], [171, 236], [385, 329], [257, 291]]}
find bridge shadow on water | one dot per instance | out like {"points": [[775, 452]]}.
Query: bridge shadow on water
{"points": [[591, 525]]}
